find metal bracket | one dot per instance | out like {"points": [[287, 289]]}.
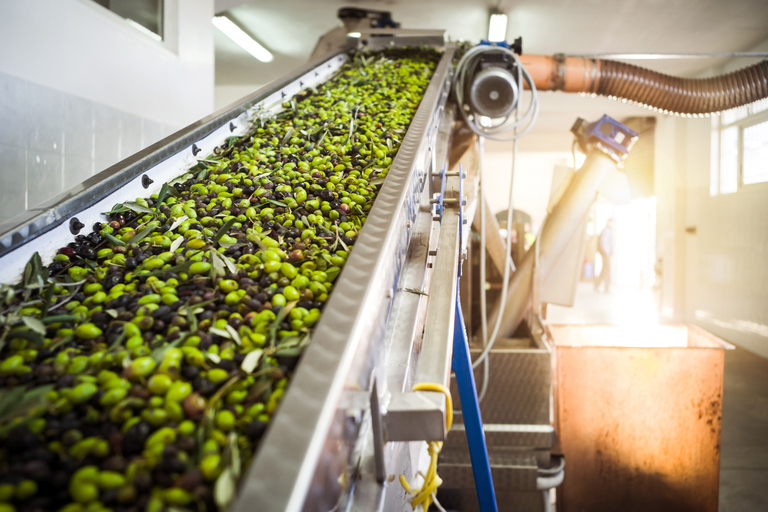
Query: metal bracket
{"points": [[377, 427], [607, 134]]}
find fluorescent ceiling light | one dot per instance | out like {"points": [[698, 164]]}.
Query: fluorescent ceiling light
{"points": [[354, 34], [245, 41], [497, 28]]}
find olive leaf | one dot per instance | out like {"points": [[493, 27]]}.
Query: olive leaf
{"points": [[47, 297], [34, 324], [224, 489], [33, 336], [162, 195], [215, 359], [178, 222], [217, 256], [251, 361], [158, 353], [231, 141], [8, 293], [332, 273], [34, 275], [114, 240], [217, 267], [277, 203], [293, 342], [287, 136], [289, 351], [413, 290], [235, 461], [233, 334], [181, 179], [279, 317], [141, 235], [191, 320], [223, 229], [60, 318], [20, 406], [378, 180], [136, 207], [118, 341], [118, 208], [220, 332], [176, 244], [63, 341]]}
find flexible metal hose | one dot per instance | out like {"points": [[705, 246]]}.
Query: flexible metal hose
{"points": [[667, 93], [683, 95]]}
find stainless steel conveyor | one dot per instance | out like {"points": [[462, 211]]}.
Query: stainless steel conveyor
{"points": [[318, 451]]}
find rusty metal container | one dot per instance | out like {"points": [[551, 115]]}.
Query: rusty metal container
{"points": [[638, 414]]}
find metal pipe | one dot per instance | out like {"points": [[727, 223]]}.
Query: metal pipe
{"points": [[559, 227]]}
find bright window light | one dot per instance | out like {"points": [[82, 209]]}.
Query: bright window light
{"points": [[497, 28], [245, 41]]}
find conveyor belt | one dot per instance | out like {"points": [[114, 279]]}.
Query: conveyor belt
{"points": [[312, 439]]}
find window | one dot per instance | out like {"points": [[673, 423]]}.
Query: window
{"points": [[755, 153], [739, 148], [144, 15]]}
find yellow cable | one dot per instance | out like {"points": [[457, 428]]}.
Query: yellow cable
{"points": [[426, 386], [424, 495]]}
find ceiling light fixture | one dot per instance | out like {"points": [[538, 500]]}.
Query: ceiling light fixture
{"points": [[239, 36], [497, 28]]}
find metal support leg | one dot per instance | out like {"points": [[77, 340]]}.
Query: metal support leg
{"points": [[473, 424]]}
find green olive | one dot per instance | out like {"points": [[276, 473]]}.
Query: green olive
{"points": [[110, 480], [159, 384], [141, 367], [178, 391], [88, 331], [217, 375], [210, 466], [83, 392], [200, 267], [26, 489]]}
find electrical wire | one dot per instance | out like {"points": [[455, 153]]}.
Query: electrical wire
{"points": [[432, 481], [490, 341], [522, 124], [519, 127]]}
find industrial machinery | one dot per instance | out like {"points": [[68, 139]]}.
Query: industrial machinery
{"points": [[366, 394]]}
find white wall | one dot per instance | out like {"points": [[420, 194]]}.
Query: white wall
{"points": [[719, 274], [81, 89], [715, 276], [80, 48], [225, 95], [533, 179]]}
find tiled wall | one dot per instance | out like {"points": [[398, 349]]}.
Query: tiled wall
{"points": [[714, 248], [51, 141]]}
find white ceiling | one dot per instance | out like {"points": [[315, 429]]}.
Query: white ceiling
{"points": [[290, 29]]}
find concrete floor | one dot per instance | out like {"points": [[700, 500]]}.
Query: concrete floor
{"points": [[744, 446], [744, 456]]}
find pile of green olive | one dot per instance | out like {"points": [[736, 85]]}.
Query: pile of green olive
{"points": [[140, 369]]}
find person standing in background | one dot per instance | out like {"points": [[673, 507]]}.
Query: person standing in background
{"points": [[605, 247]]}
